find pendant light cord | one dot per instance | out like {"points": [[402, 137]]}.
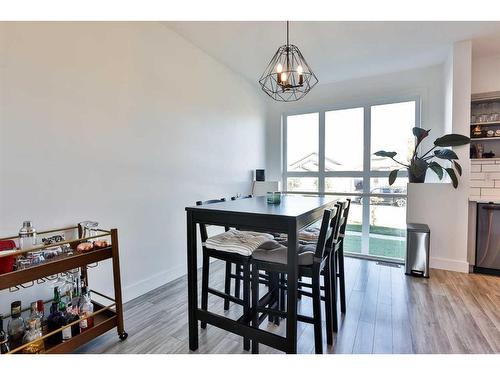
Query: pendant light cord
{"points": [[287, 34]]}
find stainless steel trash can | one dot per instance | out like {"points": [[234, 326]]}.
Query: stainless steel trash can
{"points": [[417, 249]]}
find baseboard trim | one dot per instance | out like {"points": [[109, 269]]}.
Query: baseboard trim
{"points": [[152, 282], [449, 264]]}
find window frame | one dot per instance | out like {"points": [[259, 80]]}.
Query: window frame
{"points": [[366, 174]]}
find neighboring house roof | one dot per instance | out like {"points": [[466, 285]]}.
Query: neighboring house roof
{"points": [[310, 163]]}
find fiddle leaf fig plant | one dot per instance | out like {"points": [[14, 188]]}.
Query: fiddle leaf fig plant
{"points": [[419, 164]]}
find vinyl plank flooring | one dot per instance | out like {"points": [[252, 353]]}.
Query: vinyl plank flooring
{"points": [[387, 312]]}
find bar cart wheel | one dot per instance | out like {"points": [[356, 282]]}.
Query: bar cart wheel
{"points": [[123, 336]]}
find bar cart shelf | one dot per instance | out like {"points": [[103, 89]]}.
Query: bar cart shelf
{"points": [[106, 317]]}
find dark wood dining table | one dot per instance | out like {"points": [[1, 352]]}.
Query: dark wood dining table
{"points": [[290, 216]]}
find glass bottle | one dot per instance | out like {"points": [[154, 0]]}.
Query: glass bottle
{"points": [[34, 314], [16, 328], [40, 307], [71, 317], [54, 321], [86, 308], [4, 338], [33, 337], [27, 236], [75, 300], [66, 318]]}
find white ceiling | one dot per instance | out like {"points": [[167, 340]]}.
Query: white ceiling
{"points": [[338, 50]]}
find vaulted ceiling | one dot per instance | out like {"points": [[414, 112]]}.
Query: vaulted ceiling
{"points": [[338, 50]]}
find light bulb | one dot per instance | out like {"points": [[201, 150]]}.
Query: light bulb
{"points": [[283, 77], [299, 70], [279, 68]]}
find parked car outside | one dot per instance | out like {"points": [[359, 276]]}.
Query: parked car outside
{"points": [[385, 200]]}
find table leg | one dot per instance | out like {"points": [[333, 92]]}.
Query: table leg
{"points": [[192, 282], [292, 272]]}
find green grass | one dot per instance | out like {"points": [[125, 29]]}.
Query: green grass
{"points": [[379, 230], [377, 246]]}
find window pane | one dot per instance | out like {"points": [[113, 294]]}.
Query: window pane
{"points": [[344, 140], [388, 218], [391, 130], [344, 184], [302, 184], [302, 142], [380, 185]]}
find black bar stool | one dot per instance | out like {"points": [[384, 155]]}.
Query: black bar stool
{"points": [[228, 257], [339, 255], [312, 260]]}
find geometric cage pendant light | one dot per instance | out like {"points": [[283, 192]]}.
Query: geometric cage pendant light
{"points": [[288, 77]]}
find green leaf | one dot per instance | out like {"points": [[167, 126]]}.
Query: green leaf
{"points": [[437, 168], [458, 167], [449, 140], [446, 154], [420, 133], [392, 176], [453, 177], [386, 154]]}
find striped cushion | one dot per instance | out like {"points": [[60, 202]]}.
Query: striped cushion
{"points": [[239, 242]]}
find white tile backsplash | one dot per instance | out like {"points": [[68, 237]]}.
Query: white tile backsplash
{"points": [[483, 162], [485, 179], [478, 175], [490, 168], [475, 168], [492, 176], [489, 192], [482, 183]]}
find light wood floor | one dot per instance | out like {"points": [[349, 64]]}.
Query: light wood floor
{"points": [[387, 312]]}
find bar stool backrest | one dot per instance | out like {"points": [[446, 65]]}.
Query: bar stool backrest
{"points": [[335, 225], [325, 233], [203, 227], [345, 216]]}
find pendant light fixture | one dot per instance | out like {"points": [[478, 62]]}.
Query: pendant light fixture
{"points": [[288, 77]]}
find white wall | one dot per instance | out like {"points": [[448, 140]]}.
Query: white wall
{"points": [[425, 82], [485, 74], [126, 124], [442, 207]]}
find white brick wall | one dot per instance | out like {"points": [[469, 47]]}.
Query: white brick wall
{"points": [[485, 178]]}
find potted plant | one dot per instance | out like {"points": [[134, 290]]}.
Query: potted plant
{"points": [[419, 164]]}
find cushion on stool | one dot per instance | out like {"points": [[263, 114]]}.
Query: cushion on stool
{"points": [[274, 252], [236, 241]]}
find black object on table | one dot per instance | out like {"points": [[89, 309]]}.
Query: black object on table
{"points": [[293, 214]]}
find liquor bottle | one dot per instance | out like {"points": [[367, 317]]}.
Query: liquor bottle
{"points": [[40, 306], [86, 308], [66, 319], [75, 300], [54, 321], [4, 338], [16, 328], [33, 337], [71, 317], [34, 315]]}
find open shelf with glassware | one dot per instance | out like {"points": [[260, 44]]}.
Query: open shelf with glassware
{"points": [[104, 315], [485, 125]]}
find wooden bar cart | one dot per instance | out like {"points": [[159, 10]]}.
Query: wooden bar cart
{"points": [[106, 316]]}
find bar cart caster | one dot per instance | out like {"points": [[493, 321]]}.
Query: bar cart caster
{"points": [[123, 336]]}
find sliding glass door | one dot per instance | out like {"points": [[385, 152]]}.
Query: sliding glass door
{"points": [[331, 151]]}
